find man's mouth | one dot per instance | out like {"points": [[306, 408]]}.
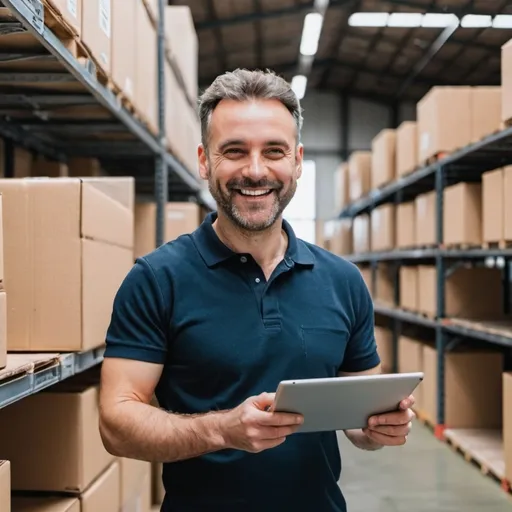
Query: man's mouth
{"points": [[254, 193]]}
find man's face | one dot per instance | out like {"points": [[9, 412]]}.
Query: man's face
{"points": [[253, 161]]}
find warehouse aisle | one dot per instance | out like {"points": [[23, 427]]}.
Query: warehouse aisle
{"points": [[424, 476]]}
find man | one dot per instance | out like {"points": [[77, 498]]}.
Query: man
{"points": [[214, 320]]}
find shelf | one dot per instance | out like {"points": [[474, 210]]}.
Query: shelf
{"points": [[27, 374], [405, 316]]}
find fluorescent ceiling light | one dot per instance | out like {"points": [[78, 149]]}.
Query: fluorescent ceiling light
{"points": [[368, 19], [476, 21], [299, 83], [311, 33], [321, 5], [502, 21], [405, 19], [436, 20]]}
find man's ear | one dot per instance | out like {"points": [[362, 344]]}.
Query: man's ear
{"points": [[299, 158], [203, 162]]}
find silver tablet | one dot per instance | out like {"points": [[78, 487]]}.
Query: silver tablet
{"points": [[342, 403]]}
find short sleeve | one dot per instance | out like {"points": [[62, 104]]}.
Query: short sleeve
{"points": [[361, 352], [137, 327]]}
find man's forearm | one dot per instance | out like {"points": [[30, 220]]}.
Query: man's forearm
{"points": [[139, 431], [359, 439]]}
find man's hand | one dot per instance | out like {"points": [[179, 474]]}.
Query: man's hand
{"points": [[391, 429], [253, 428]]}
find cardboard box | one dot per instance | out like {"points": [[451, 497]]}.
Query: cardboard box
{"points": [[439, 130], [67, 442], [97, 31], [485, 111], [175, 115], [506, 81], [409, 289], [425, 215], [507, 209], [79, 167], [473, 388], [384, 340], [181, 219], [158, 490], [507, 424], [410, 360], [1, 245], [493, 206], [103, 494], [45, 504], [341, 241], [135, 486], [5, 485], [183, 44], [359, 171], [70, 247], [462, 214], [406, 148], [383, 166], [384, 284], [366, 273], [123, 45], [383, 228], [470, 293], [71, 13], [49, 168], [361, 233], [146, 68], [3, 330], [405, 224], [341, 187]]}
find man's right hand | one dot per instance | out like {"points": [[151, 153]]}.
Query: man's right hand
{"points": [[252, 427]]}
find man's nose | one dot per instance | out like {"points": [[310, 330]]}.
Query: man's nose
{"points": [[256, 168]]}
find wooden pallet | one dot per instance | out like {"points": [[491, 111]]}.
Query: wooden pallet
{"points": [[494, 327], [461, 247], [501, 244]]}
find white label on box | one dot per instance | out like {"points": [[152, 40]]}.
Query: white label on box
{"points": [[175, 215], [105, 17], [128, 86], [73, 8], [425, 141]]}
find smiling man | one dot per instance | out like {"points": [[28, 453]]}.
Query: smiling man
{"points": [[214, 320]]}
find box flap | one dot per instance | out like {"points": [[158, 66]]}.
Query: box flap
{"points": [[103, 493], [121, 189]]}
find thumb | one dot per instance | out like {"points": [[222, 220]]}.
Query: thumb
{"points": [[264, 400]]}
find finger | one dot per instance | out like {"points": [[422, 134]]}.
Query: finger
{"points": [[263, 400], [392, 418], [407, 403], [391, 430], [384, 439], [270, 433], [278, 419]]}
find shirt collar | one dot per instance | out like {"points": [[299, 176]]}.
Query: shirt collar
{"points": [[213, 251]]}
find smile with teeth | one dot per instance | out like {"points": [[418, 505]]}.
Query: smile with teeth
{"points": [[249, 192]]}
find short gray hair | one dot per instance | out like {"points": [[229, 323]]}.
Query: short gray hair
{"points": [[242, 85]]}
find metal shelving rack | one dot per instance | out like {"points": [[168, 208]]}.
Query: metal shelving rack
{"points": [[41, 80], [468, 164]]}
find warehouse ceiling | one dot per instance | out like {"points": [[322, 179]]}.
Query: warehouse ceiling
{"points": [[384, 63]]}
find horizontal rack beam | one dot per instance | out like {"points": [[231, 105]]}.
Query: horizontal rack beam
{"points": [[406, 316]]}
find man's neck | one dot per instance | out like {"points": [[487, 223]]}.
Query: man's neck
{"points": [[266, 247]]}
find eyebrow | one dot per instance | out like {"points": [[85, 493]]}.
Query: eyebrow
{"points": [[240, 142]]}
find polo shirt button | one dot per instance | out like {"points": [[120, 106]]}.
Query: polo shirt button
{"points": [[243, 259], [257, 279]]}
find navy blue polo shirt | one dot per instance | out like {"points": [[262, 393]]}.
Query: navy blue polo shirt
{"points": [[224, 333]]}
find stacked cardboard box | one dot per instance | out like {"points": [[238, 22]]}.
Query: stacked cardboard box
{"points": [[385, 284], [359, 172], [383, 164], [409, 288], [361, 233], [425, 219], [136, 483], [410, 359], [405, 225], [3, 297], [341, 187], [406, 148], [384, 341], [507, 424], [506, 82], [5, 485], [69, 244], [383, 228], [96, 31], [496, 208]]}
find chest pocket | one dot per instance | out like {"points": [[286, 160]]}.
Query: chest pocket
{"points": [[324, 349]]}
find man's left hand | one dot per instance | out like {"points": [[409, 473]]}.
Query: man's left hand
{"points": [[391, 429]]}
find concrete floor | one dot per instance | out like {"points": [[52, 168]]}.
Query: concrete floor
{"points": [[423, 476]]}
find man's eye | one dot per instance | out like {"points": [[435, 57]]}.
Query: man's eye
{"points": [[233, 151], [275, 151]]}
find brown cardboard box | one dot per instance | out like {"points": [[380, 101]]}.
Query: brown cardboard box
{"points": [[71, 12], [493, 205], [135, 489], [50, 168], [103, 493], [409, 288], [361, 233], [462, 217], [158, 490], [366, 273], [84, 167], [406, 148], [383, 228], [359, 171], [181, 218], [123, 47], [341, 241], [384, 284], [45, 504], [183, 44], [506, 81], [175, 115], [410, 359], [3, 330], [22, 163], [473, 388], [405, 224], [425, 215], [384, 340], [470, 293], [146, 69], [97, 31], [507, 424], [383, 166], [341, 187], [1, 245], [65, 453], [485, 111], [507, 210], [439, 130], [70, 246], [5, 485]]}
